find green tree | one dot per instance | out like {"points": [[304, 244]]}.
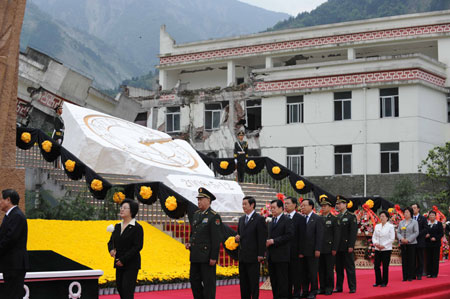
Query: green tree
{"points": [[436, 167]]}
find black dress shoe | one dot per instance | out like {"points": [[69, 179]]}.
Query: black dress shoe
{"points": [[337, 291], [419, 278], [304, 295], [428, 276], [329, 293], [312, 296], [409, 279], [320, 292], [383, 285], [352, 291], [403, 279], [376, 285], [434, 276]]}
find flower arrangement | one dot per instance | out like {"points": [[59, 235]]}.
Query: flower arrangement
{"points": [[369, 253], [365, 225], [265, 212], [395, 217], [231, 244], [47, 146], [97, 185], [70, 165], [276, 170], [281, 196], [171, 203], [145, 192], [118, 197], [25, 137], [445, 247], [300, 184], [251, 164], [224, 164]]}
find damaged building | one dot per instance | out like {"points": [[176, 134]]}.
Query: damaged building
{"points": [[352, 106]]}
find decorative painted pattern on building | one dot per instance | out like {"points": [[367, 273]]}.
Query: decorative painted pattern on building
{"points": [[350, 79], [310, 42]]}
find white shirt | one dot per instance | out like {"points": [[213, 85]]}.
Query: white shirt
{"points": [[384, 235], [250, 215], [7, 213], [291, 214], [308, 217], [278, 218], [132, 222]]}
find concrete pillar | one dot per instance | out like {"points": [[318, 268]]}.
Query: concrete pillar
{"points": [[269, 62], [11, 18], [163, 79], [231, 73], [351, 53]]}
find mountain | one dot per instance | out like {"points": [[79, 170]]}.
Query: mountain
{"points": [[131, 27], [335, 11], [77, 49]]}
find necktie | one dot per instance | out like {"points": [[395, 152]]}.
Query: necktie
{"points": [[275, 221], [307, 219], [246, 219]]}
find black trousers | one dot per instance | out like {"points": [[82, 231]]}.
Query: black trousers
{"points": [[278, 273], [433, 254], [126, 282], [13, 284], [382, 257], [326, 271], [203, 280], [240, 168], [345, 260], [249, 280], [419, 261], [311, 284], [294, 280], [408, 261]]}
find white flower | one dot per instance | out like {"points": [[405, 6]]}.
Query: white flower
{"points": [[110, 228], [359, 230], [269, 219]]}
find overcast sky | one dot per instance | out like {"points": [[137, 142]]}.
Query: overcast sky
{"points": [[292, 7]]}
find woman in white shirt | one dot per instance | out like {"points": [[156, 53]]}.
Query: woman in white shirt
{"points": [[382, 239]]}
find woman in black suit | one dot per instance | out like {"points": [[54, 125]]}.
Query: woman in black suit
{"points": [[124, 246], [435, 232]]}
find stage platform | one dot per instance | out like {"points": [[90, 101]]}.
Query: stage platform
{"points": [[426, 288]]}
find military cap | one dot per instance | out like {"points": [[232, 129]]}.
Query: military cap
{"points": [[203, 192], [241, 133], [340, 198], [324, 200]]}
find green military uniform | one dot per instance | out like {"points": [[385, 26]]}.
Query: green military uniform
{"points": [[241, 154], [331, 236], [344, 259], [205, 239]]}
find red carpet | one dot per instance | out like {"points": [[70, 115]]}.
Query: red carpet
{"points": [[427, 288]]}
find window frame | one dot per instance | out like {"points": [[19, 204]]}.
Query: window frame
{"points": [[341, 98], [390, 153], [394, 105], [342, 156], [213, 112], [300, 156], [173, 115], [291, 102]]}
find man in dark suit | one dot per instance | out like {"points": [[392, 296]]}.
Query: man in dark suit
{"points": [[296, 274], [280, 233], [252, 234], [240, 154], [310, 247], [420, 248], [13, 246], [330, 243], [204, 245], [345, 257]]}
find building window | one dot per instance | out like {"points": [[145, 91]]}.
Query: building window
{"points": [[239, 80], [389, 102], [294, 109], [141, 119], [212, 116], [173, 119], [253, 113], [295, 159], [343, 159], [389, 157], [342, 105]]}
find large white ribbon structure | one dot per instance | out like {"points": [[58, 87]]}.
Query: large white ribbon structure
{"points": [[112, 145]]}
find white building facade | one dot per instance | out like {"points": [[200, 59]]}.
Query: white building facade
{"points": [[350, 105]]}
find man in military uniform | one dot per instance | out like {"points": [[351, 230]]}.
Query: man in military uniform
{"points": [[345, 258], [330, 244], [240, 154], [58, 132], [204, 244]]}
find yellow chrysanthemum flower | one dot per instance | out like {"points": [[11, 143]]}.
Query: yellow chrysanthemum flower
{"points": [[70, 165], [370, 203], [300, 185], [251, 164], [47, 146], [25, 137], [171, 203], [391, 210], [97, 185], [276, 170], [350, 204], [224, 164], [231, 244], [118, 197], [145, 192]]}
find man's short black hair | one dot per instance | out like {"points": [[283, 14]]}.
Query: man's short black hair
{"points": [[293, 199], [418, 206], [432, 211], [12, 194], [309, 201], [279, 203], [134, 206], [251, 201]]}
